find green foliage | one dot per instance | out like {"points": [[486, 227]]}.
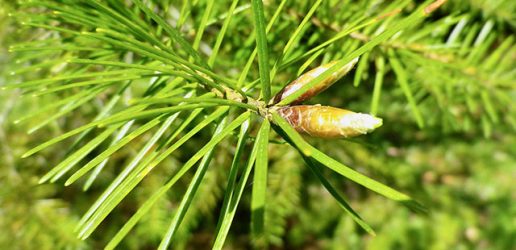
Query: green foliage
{"points": [[124, 98]]}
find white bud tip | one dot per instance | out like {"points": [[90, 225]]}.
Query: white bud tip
{"points": [[364, 123]]}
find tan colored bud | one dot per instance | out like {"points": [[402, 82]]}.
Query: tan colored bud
{"points": [[308, 76], [328, 122]]}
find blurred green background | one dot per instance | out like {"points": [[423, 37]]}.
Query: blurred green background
{"points": [[466, 179]]}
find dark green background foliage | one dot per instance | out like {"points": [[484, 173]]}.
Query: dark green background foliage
{"points": [[445, 87]]}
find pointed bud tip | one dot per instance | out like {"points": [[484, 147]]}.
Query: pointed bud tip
{"points": [[378, 122], [349, 66], [372, 122], [365, 123], [354, 61]]}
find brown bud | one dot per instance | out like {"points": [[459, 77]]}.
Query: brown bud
{"points": [[328, 122], [308, 76]]}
